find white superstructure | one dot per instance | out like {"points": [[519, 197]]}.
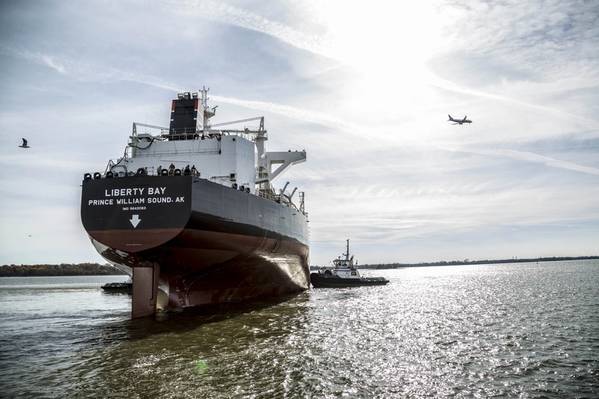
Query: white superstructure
{"points": [[231, 157], [226, 159]]}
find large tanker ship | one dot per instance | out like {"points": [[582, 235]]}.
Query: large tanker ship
{"points": [[191, 213]]}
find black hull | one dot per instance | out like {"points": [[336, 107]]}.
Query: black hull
{"points": [[210, 243], [321, 281]]}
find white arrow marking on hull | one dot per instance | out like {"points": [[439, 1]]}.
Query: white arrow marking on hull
{"points": [[135, 220]]}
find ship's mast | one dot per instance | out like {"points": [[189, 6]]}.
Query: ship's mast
{"points": [[207, 112]]}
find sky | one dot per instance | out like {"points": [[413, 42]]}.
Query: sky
{"points": [[364, 87]]}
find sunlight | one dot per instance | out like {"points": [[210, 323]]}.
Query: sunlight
{"points": [[382, 37], [387, 46]]}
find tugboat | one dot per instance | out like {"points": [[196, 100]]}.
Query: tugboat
{"points": [[118, 288], [343, 274]]}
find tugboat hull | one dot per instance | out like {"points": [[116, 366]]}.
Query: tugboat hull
{"points": [[321, 281]]}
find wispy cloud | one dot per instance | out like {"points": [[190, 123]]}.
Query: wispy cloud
{"points": [[36, 57], [90, 72], [525, 156], [294, 113], [533, 34], [451, 86], [408, 214], [85, 71], [222, 12]]}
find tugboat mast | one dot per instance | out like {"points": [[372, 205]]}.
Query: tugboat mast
{"points": [[347, 251]]}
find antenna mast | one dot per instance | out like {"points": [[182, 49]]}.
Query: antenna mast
{"points": [[207, 112], [347, 251]]}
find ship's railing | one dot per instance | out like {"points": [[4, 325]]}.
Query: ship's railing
{"points": [[169, 151], [163, 130], [200, 134], [269, 194], [192, 133], [110, 171]]}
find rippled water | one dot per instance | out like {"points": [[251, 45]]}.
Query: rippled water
{"points": [[527, 330]]}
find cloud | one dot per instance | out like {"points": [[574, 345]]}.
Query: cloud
{"points": [[383, 166], [86, 71], [90, 72], [299, 114], [526, 156], [543, 47], [410, 214], [451, 86], [38, 58], [533, 34], [221, 12]]}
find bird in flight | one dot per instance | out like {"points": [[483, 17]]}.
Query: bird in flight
{"points": [[24, 145]]}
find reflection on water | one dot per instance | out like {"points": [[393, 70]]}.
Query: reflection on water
{"points": [[521, 329]]}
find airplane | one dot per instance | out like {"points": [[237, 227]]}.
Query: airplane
{"points": [[458, 121], [24, 145]]}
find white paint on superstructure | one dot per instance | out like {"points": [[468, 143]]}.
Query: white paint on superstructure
{"points": [[223, 159], [233, 158]]}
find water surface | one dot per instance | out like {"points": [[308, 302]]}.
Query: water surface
{"points": [[528, 330]]}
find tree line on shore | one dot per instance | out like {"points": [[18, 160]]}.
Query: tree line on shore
{"points": [[64, 269], [97, 269], [473, 262]]}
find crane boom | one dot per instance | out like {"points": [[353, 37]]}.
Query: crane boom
{"points": [[257, 118]]}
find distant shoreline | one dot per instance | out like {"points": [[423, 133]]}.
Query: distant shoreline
{"points": [[64, 269], [474, 262], [96, 269]]}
